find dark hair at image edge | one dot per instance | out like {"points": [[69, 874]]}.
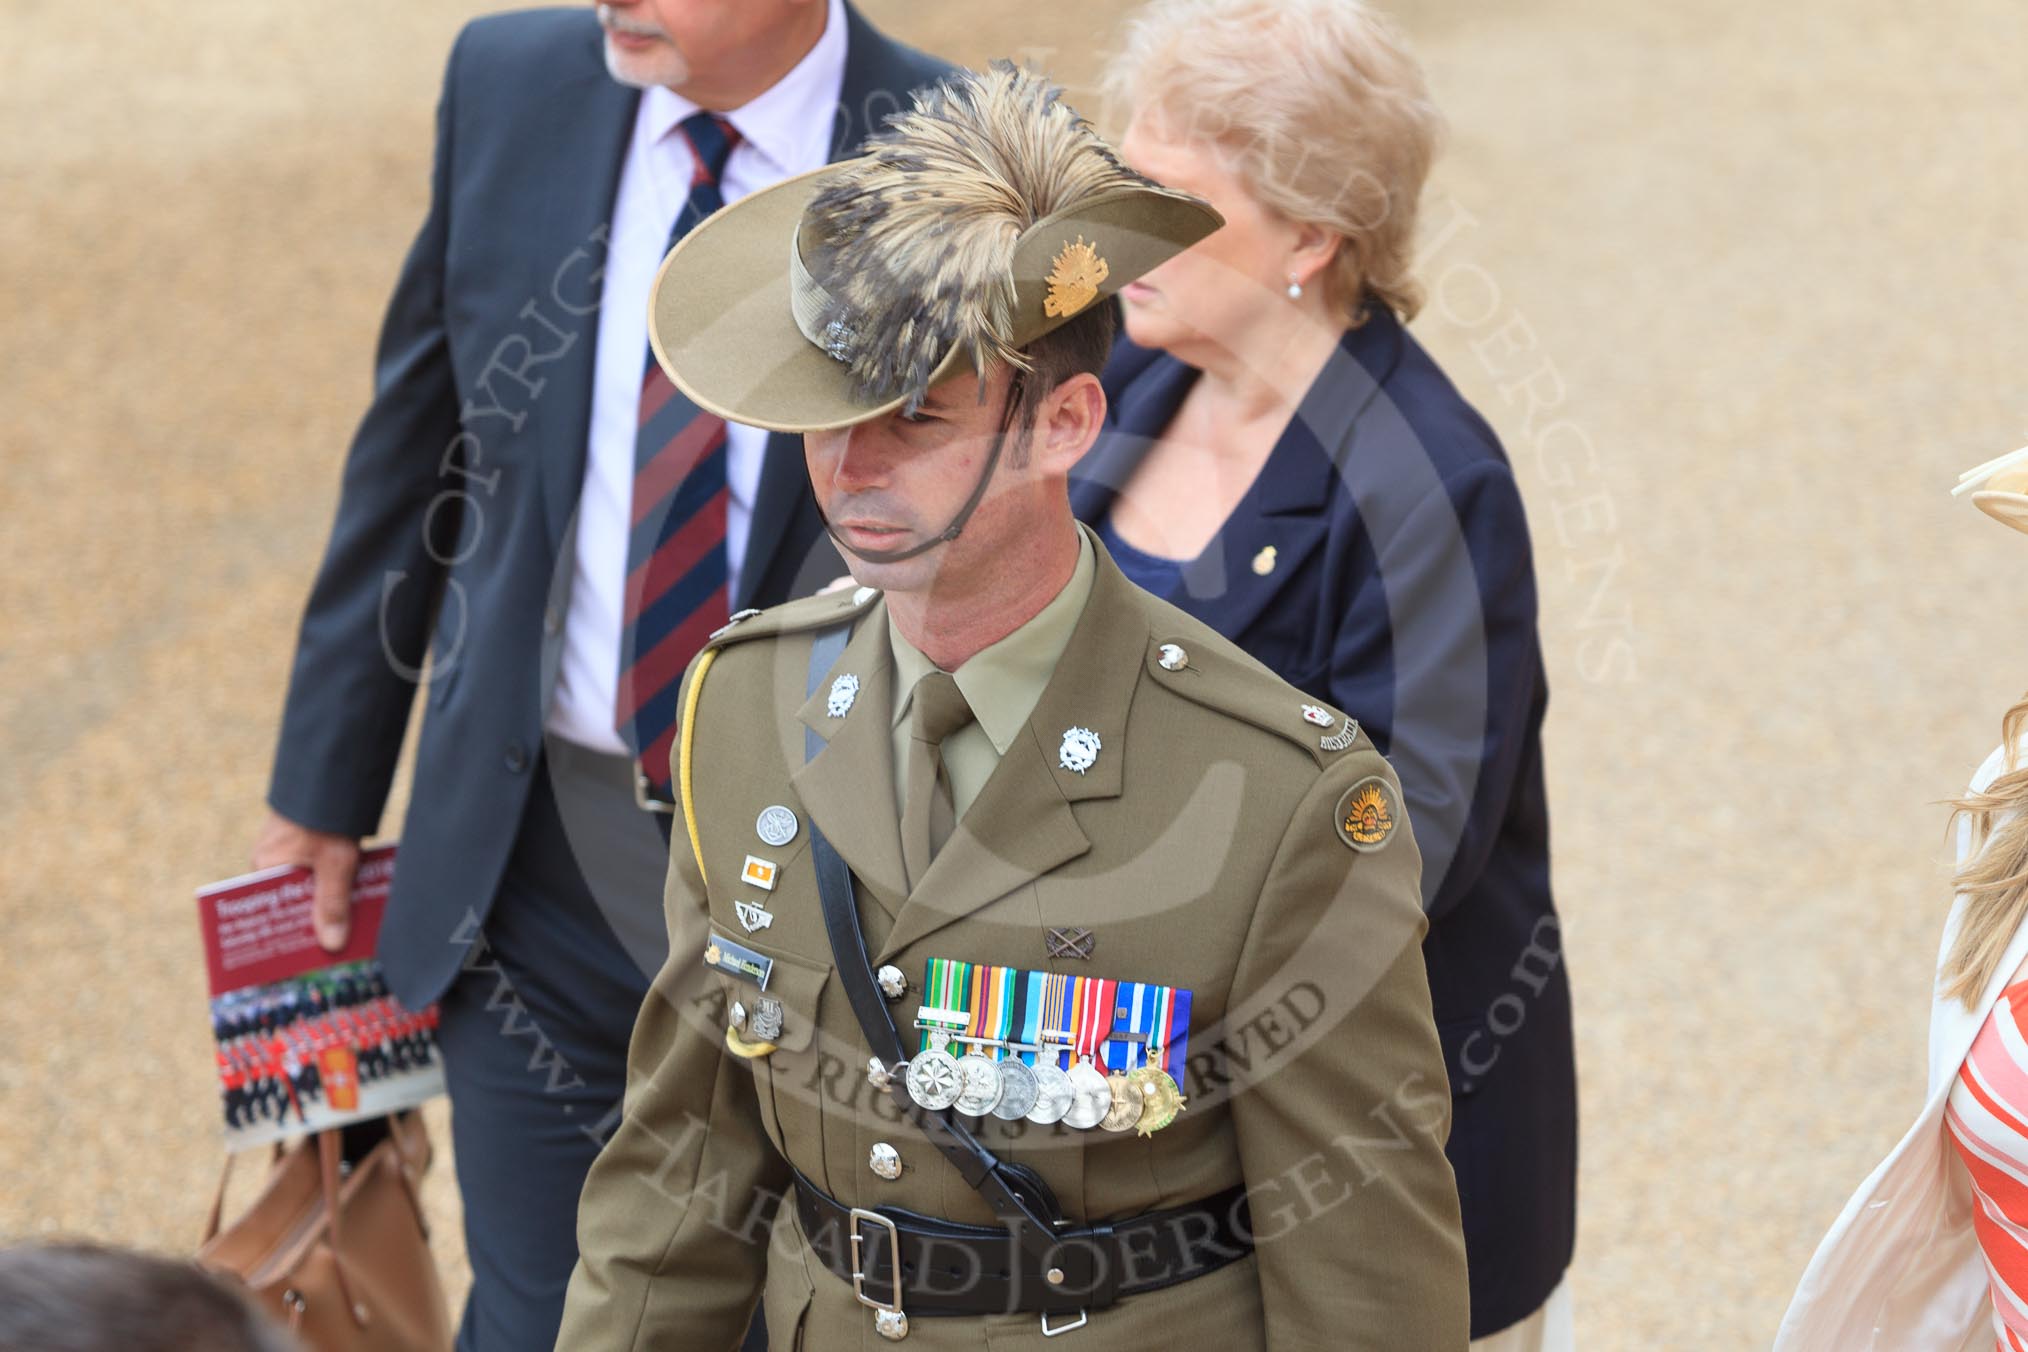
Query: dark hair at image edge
{"points": [[91, 1298]]}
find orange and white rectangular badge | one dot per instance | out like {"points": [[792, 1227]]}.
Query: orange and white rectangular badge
{"points": [[338, 1067], [760, 872]]}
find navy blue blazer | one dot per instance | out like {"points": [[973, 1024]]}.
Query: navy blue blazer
{"points": [[453, 532], [1401, 589]]}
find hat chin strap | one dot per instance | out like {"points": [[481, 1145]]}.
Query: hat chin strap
{"points": [[958, 522]]}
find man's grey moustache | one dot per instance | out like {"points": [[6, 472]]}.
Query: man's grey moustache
{"points": [[613, 23]]}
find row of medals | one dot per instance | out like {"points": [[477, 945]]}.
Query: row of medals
{"points": [[1146, 1098]]}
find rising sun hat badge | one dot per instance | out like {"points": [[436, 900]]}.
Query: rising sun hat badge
{"points": [[1075, 276]]}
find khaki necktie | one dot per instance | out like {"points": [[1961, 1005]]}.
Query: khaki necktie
{"points": [[928, 817]]}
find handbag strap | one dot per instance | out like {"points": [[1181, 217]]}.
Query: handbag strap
{"points": [[407, 1167], [217, 1216], [1019, 1197], [330, 1149]]}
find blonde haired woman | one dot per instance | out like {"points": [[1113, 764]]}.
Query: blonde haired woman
{"points": [[1284, 461], [1931, 1252]]}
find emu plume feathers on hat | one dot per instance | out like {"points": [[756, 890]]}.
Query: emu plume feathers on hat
{"points": [[915, 241], [983, 218]]}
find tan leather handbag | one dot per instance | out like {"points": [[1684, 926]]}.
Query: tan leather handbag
{"points": [[339, 1255]]}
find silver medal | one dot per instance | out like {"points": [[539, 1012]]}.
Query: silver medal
{"points": [[1092, 1097], [934, 1081], [1079, 750], [776, 825], [1053, 1094], [844, 690], [765, 1023], [1017, 1090], [981, 1084]]}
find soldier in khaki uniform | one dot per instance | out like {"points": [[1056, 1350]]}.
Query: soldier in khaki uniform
{"points": [[1053, 963]]}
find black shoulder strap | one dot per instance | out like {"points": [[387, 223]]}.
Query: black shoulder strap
{"points": [[1018, 1196]]}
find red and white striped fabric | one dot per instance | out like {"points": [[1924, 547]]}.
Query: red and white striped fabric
{"points": [[1986, 1119]]}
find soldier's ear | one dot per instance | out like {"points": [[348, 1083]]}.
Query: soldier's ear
{"points": [[1067, 424]]}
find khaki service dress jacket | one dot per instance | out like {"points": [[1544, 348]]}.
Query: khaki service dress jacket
{"points": [[1204, 847]]}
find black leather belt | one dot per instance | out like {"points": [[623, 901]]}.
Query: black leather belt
{"points": [[952, 1269]]}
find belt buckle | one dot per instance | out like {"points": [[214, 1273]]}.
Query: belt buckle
{"points": [[644, 796], [859, 1214]]}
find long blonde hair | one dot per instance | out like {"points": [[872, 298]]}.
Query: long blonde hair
{"points": [[1994, 877]]}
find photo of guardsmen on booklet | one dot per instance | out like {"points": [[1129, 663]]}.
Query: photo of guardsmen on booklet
{"points": [[307, 1039]]}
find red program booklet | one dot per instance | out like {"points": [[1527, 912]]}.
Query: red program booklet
{"points": [[307, 1039]]}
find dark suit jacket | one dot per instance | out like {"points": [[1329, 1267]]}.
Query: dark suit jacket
{"points": [[1402, 591], [461, 486]]}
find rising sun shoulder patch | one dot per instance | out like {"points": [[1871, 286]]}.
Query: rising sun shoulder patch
{"points": [[1368, 813]]}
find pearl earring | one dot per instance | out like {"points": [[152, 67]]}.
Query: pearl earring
{"points": [[1295, 289]]}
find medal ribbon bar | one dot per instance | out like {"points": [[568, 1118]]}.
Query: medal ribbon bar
{"points": [[1094, 1015], [944, 989], [976, 1003], [1137, 1001], [1176, 1031], [1059, 1014], [1034, 995], [999, 1019], [1158, 1039]]}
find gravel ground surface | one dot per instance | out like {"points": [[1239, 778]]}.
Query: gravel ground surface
{"points": [[1765, 262]]}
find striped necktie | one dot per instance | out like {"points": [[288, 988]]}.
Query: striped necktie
{"points": [[676, 564]]}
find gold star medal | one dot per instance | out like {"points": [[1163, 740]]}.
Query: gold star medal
{"points": [[1161, 1098], [1126, 1106]]}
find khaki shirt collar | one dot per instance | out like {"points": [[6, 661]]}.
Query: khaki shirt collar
{"points": [[1004, 681]]}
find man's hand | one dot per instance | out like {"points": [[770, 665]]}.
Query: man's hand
{"points": [[334, 860]]}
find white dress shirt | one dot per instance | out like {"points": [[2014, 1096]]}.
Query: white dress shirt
{"points": [[784, 132]]}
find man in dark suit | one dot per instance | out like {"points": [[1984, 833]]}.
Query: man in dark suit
{"points": [[531, 504]]}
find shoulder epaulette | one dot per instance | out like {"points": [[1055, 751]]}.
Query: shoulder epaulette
{"points": [[1206, 669], [804, 613]]}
